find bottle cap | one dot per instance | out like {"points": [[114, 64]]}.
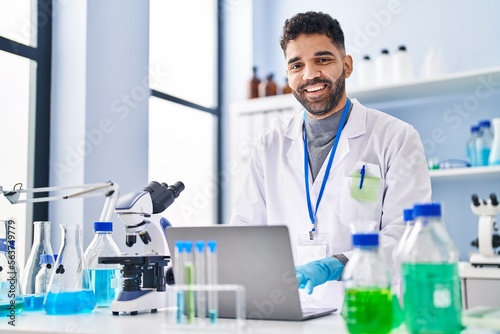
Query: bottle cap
{"points": [[188, 246], [103, 226], [212, 245], [200, 245], [407, 214], [46, 258], [385, 51], [366, 57], [3, 245], [427, 210], [402, 48], [484, 123], [365, 239], [474, 128]]}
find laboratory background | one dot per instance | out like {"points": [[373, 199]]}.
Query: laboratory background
{"points": [[133, 91]]}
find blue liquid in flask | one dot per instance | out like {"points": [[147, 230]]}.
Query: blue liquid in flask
{"points": [[73, 302], [17, 307]]}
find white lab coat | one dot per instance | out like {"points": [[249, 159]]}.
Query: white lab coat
{"points": [[274, 190]]}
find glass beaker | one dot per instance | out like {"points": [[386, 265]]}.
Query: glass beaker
{"points": [[69, 290], [41, 248], [11, 297]]}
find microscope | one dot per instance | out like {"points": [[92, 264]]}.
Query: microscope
{"points": [[488, 241], [144, 278]]}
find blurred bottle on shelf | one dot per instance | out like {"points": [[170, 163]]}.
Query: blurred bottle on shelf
{"points": [[495, 146], [253, 85], [383, 68], [402, 65], [471, 146], [286, 87], [483, 143], [268, 87], [366, 72]]}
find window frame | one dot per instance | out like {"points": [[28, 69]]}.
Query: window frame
{"points": [[216, 110], [39, 152]]}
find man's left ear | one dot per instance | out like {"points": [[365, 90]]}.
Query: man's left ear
{"points": [[348, 66]]}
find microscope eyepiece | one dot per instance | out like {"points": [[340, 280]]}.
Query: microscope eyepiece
{"points": [[163, 195]]}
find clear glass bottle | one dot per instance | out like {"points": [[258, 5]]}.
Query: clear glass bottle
{"points": [[432, 293], [402, 65], [367, 281], [471, 146], [11, 296], [483, 143], [41, 246], [495, 146], [69, 290], [104, 278]]}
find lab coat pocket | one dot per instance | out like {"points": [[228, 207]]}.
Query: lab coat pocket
{"points": [[361, 198]]}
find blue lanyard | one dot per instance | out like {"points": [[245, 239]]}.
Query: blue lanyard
{"points": [[312, 215]]}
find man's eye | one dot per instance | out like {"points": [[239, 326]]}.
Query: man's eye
{"points": [[323, 60], [295, 66]]}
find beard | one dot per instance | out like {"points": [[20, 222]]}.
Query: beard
{"points": [[322, 107]]}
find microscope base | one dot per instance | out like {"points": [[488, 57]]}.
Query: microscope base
{"points": [[151, 300], [479, 260]]}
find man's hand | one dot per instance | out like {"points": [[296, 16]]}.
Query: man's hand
{"points": [[318, 272]]}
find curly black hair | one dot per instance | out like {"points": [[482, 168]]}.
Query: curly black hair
{"points": [[312, 23]]}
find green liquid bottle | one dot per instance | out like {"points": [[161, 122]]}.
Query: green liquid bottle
{"points": [[368, 304], [431, 284]]}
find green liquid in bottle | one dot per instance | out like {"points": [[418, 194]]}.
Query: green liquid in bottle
{"points": [[368, 310], [432, 298]]}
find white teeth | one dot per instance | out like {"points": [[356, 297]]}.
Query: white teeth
{"points": [[315, 89]]}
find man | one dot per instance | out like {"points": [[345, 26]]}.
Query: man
{"points": [[335, 169]]}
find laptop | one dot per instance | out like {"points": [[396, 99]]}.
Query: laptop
{"points": [[259, 258]]}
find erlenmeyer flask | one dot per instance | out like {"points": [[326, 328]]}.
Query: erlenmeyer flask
{"points": [[41, 248], [69, 290], [11, 297]]}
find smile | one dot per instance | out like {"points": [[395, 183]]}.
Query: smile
{"points": [[315, 88]]}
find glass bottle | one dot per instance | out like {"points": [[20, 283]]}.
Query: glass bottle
{"points": [[471, 146], [268, 87], [11, 297], [495, 146], [43, 277], [253, 84], [41, 246], [483, 143], [368, 302], [397, 287], [69, 289], [286, 87], [432, 292], [105, 278]]}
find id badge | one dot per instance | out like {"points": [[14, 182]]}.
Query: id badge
{"points": [[310, 250]]}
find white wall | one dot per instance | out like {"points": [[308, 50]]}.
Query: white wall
{"points": [[100, 102]]}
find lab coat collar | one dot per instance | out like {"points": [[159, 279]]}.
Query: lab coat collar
{"points": [[356, 126]]}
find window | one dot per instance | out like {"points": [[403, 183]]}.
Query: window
{"points": [[25, 51], [184, 110]]}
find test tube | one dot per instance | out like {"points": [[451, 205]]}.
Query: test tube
{"points": [[212, 280], [179, 278], [189, 273], [200, 278]]}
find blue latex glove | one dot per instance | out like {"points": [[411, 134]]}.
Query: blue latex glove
{"points": [[318, 272]]}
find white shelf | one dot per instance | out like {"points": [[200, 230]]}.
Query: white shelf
{"points": [[465, 173], [420, 89]]}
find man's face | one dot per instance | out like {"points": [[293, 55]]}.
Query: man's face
{"points": [[316, 72]]}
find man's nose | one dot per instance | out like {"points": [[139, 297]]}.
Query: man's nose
{"points": [[311, 72]]}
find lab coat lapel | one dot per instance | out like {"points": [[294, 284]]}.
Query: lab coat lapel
{"points": [[295, 153], [356, 126]]}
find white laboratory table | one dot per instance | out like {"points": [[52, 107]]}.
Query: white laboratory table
{"points": [[101, 321]]}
